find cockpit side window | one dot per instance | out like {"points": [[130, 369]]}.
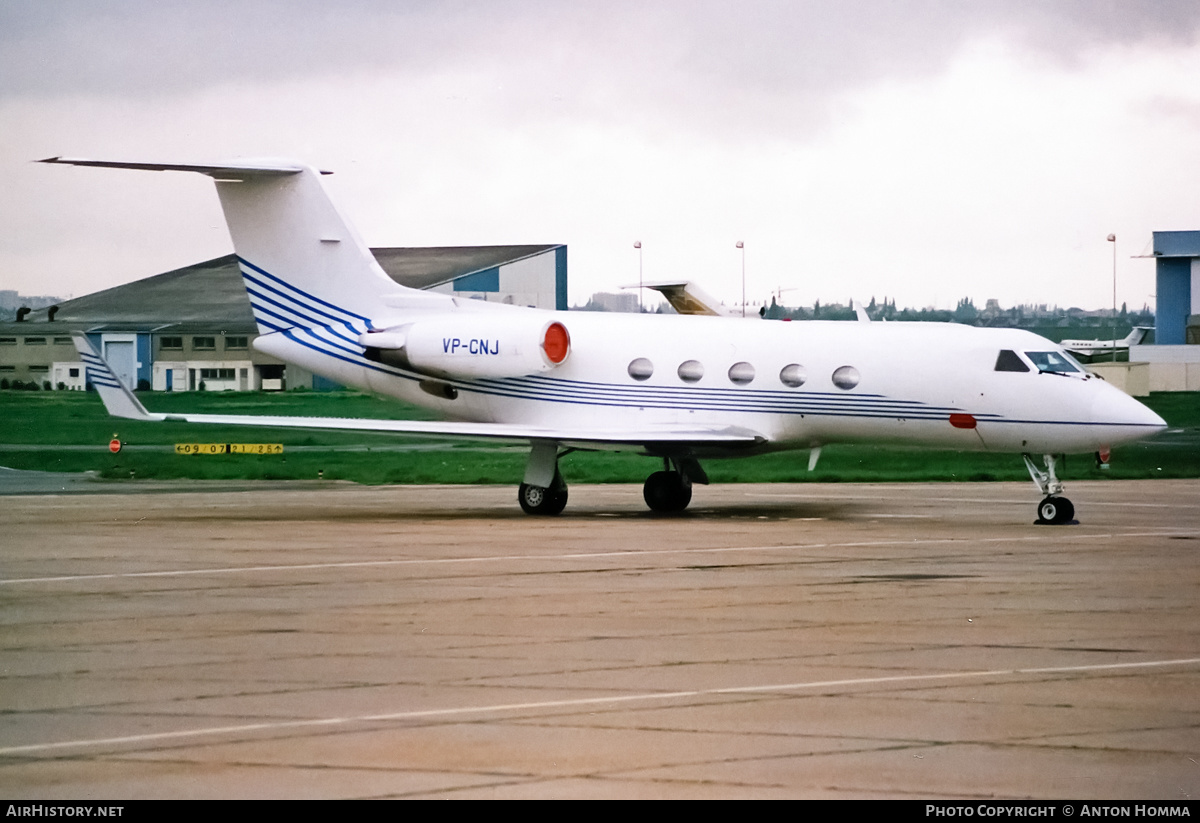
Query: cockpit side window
{"points": [[1009, 361], [1053, 361]]}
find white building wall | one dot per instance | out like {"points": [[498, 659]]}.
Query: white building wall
{"points": [[207, 371], [62, 373], [1195, 286], [1131, 378], [178, 379], [188, 373], [528, 282], [1172, 368]]}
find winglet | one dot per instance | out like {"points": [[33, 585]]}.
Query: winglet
{"points": [[118, 400]]}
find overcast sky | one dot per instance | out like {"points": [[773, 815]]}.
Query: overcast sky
{"points": [[920, 150]]}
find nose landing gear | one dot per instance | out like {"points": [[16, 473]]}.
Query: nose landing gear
{"points": [[1054, 509]]}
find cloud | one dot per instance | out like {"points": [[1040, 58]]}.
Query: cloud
{"points": [[751, 71], [671, 50], [925, 150]]}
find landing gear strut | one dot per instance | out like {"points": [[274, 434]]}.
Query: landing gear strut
{"points": [[544, 490], [670, 490], [1054, 509]]}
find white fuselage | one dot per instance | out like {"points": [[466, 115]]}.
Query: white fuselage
{"points": [[677, 387], [928, 384]]}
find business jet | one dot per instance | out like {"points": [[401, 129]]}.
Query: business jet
{"points": [[679, 388], [1099, 350]]}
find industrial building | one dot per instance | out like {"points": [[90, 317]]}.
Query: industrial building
{"points": [[1173, 361], [192, 328]]}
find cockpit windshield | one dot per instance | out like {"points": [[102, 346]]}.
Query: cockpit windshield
{"points": [[1056, 362]]}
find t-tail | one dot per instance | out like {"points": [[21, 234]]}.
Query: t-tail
{"points": [[303, 264]]}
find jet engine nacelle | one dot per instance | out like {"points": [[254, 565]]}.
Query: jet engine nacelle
{"points": [[472, 345]]}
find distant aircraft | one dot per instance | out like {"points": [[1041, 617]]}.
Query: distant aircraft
{"points": [[1099, 350], [678, 388]]}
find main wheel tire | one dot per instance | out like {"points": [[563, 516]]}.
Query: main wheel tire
{"points": [[1055, 510], [557, 501], [667, 492], [532, 498], [540, 501]]}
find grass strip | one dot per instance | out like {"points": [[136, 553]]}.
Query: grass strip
{"points": [[69, 432]]}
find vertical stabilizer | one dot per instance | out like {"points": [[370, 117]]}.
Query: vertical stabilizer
{"points": [[303, 263], [118, 399]]}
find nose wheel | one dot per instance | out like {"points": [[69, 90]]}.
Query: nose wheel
{"points": [[1054, 509]]}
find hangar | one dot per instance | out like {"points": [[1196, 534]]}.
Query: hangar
{"points": [[192, 328], [1174, 357]]}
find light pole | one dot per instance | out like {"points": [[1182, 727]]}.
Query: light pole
{"points": [[637, 244], [1112, 238], [742, 247]]}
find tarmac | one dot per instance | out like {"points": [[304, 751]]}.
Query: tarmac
{"points": [[326, 640]]}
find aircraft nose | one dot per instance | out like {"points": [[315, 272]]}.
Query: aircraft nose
{"points": [[1116, 408]]}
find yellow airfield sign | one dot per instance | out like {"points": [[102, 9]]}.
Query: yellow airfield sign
{"points": [[229, 448]]}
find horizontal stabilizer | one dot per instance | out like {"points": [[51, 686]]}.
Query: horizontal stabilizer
{"points": [[302, 261], [234, 170]]}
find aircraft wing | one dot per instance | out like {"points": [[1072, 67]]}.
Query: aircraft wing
{"points": [[121, 402]]}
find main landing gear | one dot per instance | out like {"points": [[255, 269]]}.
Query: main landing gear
{"points": [[1054, 509], [670, 490], [667, 491], [537, 500], [544, 491]]}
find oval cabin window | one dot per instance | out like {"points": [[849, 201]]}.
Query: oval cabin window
{"points": [[792, 375], [846, 377], [690, 371], [741, 373], [641, 369]]}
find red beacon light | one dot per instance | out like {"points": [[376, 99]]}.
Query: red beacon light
{"points": [[556, 343]]}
